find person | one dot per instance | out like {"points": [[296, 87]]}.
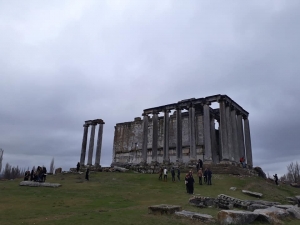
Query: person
{"points": [[77, 167], [173, 174], [276, 178], [209, 175], [160, 173], [178, 174], [200, 174], [27, 174], [87, 173], [199, 164], [190, 183], [32, 175], [205, 175], [165, 174], [242, 161], [44, 173], [186, 182]]}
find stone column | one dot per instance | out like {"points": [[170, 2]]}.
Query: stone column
{"points": [[166, 136], [240, 132], [229, 133], [224, 152], [234, 136], [145, 138], [179, 135], [213, 140], [192, 133], [154, 136], [91, 146], [248, 142], [207, 134], [84, 142], [99, 144]]}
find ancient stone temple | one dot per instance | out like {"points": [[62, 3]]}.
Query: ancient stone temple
{"points": [[186, 131], [86, 125]]}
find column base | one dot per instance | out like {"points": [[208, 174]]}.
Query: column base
{"points": [[225, 162], [208, 162]]}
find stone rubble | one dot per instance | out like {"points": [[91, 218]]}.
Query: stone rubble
{"points": [[38, 184]]}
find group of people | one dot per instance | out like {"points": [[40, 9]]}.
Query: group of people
{"points": [[207, 174], [164, 171], [39, 175], [87, 172]]}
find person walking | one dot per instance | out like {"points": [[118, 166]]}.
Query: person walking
{"points": [[209, 175], [200, 174], [178, 174], [173, 174], [160, 173], [77, 167], [165, 174]]}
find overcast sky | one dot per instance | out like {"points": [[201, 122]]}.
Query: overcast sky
{"points": [[64, 62]]}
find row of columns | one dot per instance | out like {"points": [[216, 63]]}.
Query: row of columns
{"points": [[231, 134], [92, 123]]}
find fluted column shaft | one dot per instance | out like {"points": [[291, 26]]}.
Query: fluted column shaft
{"points": [[166, 135], [240, 135], [234, 136], [179, 134], [99, 145], [248, 142], [154, 136], [229, 133], [84, 142], [91, 146], [145, 138], [224, 153], [213, 140], [207, 133], [192, 132]]}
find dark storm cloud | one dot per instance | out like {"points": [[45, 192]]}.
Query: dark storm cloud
{"points": [[64, 63]]}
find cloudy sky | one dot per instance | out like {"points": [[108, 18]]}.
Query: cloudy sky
{"points": [[64, 62]]}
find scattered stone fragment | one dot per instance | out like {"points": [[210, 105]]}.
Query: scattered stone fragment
{"points": [[256, 206], [164, 209], [273, 215], [38, 184], [294, 212], [200, 201], [196, 216], [232, 188], [236, 217], [255, 194], [283, 206]]}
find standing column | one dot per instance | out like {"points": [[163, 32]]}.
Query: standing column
{"points": [[145, 138], [192, 132], [84, 142], [91, 146], [229, 133], [213, 140], [179, 134], [248, 141], [240, 132], [99, 144], [224, 152], [166, 136], [207, 134], [155, 136], [234, 135]]}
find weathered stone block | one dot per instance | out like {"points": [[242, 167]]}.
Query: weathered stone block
{"points": [[164, 209], [38, 184], [255, 194], [236, 217]]}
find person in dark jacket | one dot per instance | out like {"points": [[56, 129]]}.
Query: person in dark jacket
{"points": [[173, 174], [44, 173], [205, 175], [209, 175], [276, 178], [32, 175], [87, 174], [190, 183], [77, 167], [186, 182], [178, 173]]}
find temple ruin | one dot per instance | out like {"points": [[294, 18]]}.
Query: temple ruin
{"points": [[86, 125], [185, 132]]}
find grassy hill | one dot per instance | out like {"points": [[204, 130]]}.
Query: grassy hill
{"points": [[119, 198]]}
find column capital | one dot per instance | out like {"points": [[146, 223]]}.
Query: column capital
{"points": [[86, 125], [245, 117], [145, 114], [206, 103], [155, 112]]}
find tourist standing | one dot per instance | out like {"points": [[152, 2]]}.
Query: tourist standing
{"points": [[160, 173], [87, 174], [276, 178], [44, 173], [199, 164], [200, 174], [165, 174], [205, 175], [190, 183], [186, 182], [173, 174], [77, 167], [178, 174], [209, 175]]}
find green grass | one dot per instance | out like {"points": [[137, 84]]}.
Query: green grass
{"points": [[119, 198]]}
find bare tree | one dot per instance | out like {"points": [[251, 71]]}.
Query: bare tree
{"points": [[11, 172], [1, 158], [52, 166], [293, 174]]}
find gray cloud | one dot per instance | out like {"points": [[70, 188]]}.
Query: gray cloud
{"points": [[64, 63]]}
